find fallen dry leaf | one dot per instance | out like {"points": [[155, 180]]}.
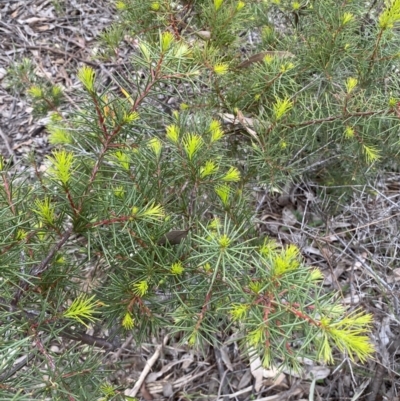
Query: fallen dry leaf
{"points": [[256, 369]]}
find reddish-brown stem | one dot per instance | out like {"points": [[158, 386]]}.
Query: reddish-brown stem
{"points": [[108, 138], [373, 55], [154, 75], [107, 222], [291, 308], [346, 100], [203, 310], [136, 300], [100, 116], [71, 201], [42, 350], [173, 24], [8, 193]]}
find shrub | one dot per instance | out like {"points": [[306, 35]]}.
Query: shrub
{"points": [[154, 182]]}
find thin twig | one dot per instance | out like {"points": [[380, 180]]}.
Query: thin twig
{"points": [[20, 314], [223, 388], [5, 139], [365, 265], [62, 53], [376, 383], [42, 267], [116, 356], [372, 223], [146, 370], [7, 374]]}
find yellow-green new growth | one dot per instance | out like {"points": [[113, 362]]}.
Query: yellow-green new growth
{"points": [[267, 33], [192, 144], [239, 311], [122, 159], [193, 338], [82, 308], [107, 390], [285, 67], [173, 133], [393, 101], [61, 165], [268, 59], [153, 211], [149, 212], [349, 132], [156, 146], [56, 90], [120, 5], [255, 286], [128, 322], [145, 51], [21, 234], [35, 91], [232, 175], [390, 15], [296, 5], [166, 40], [316, 275], [140, 288], [177, 268], [45, 211], [41, 234], [256, 337], [351, 83], [221, 68], [87, 76], [269, 247], [215, 223], [223, 191], [58, 135], [130, 117], [216, 131], [208, 169], [281, 107], [155, 6], [224, 241], [286, 261], [349, 335], [119, 191], [371, 153], [240, 5], [217, 4], [182, 50], [347, 17]]}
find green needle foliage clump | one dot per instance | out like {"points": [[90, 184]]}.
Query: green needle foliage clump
{"points": [[152, 184]]}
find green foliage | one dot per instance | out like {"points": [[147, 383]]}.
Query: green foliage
{"points": [[21, 74], [314, 96], [59, 7], [46, 97]]}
